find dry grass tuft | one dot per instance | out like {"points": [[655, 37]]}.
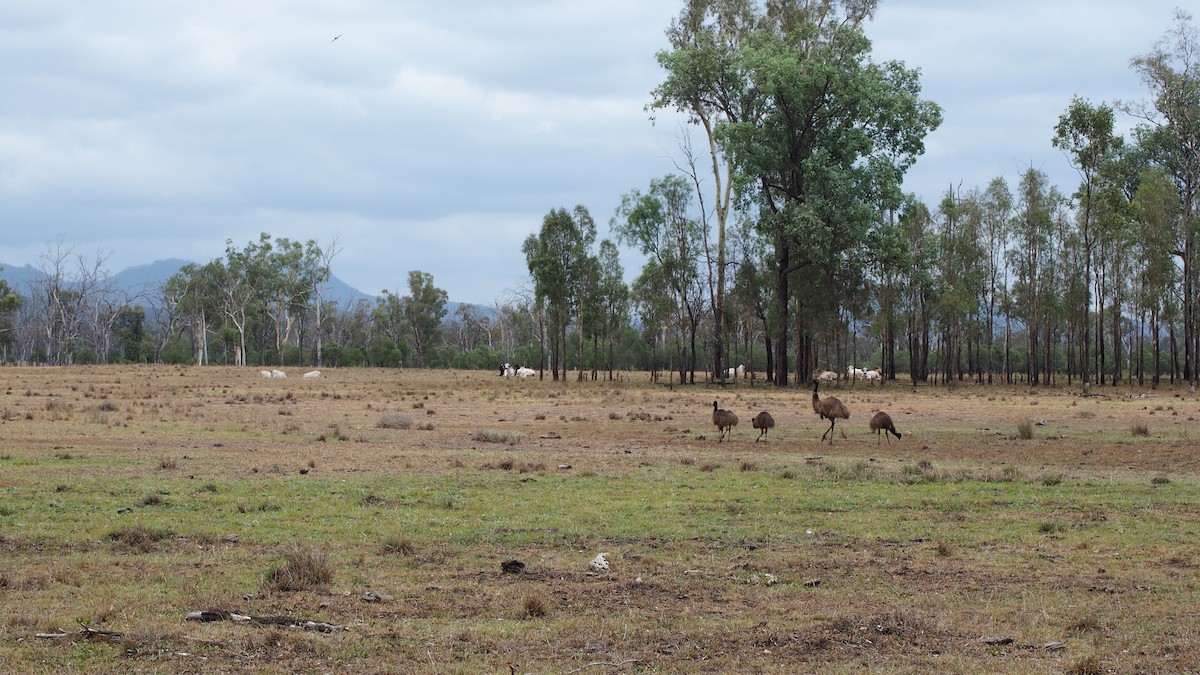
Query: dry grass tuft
{"points": [[395, 420], [1025, 430], [1086, 665], [302, 569], [138, 538], [534, 607], [1140, 429], [398, 545], [497, 436]]}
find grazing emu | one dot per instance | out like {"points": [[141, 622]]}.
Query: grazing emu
{"points": [[725, 421], [764, 422], [883, 422], [830, 409]]}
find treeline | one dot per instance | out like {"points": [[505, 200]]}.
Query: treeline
{"points": [[785, 243]]}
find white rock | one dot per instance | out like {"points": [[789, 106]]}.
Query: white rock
{"points": [[599, 563]]}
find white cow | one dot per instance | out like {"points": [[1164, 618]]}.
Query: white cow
{"points": [[264, 374], [507, 370], [312, 374], [526, 372], [873, 376], [739, 372], [278, 375]]}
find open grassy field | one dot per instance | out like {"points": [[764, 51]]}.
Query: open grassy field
{"points": [[385, 502]]}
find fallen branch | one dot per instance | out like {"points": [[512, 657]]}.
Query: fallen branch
{"points": [[85, 632], [279, 621], [593, 664]]}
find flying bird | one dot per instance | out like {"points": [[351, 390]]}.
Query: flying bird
{"points": [[335, 37]]}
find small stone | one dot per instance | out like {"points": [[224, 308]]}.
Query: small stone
{"points": [[1054, 646]]}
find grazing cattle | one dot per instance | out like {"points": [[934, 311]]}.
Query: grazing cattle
{"points": [[312, 374], [526, 372], [507, 370]]}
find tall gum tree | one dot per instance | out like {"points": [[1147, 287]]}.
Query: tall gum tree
{"points": [[828, 139], [1172, 124]]}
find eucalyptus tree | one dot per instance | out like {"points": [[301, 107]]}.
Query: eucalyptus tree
{"points": [[423, 309], [705, 80], [556, 258], [194, 293], [1172, 124], [830, 136], [10, 302], [919, 288], [959, 276], [996, 204], [1156, 208], [389, 324], [661, 224], [613, 314], [237, 282], [1085, 134], [1035, 224]]}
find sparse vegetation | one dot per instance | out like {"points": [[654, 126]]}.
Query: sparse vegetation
{"points": [[230, 519], [497, 436], [395, 420], [302, 568]]}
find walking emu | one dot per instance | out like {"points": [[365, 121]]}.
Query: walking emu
{"points": [[763, 421], [830, 409], [725, 421], [883, 422]]}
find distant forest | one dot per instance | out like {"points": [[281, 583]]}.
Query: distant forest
{"points": [[784, 243]]}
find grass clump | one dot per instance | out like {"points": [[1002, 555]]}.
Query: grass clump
{"points": [[497, 436], [139, 538], [1025, 430], [1140, 429], [534, 607], [397, 545], [395, 421], [302, 569]]}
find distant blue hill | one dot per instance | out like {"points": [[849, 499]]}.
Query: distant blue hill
{"points": [[142, 280]]}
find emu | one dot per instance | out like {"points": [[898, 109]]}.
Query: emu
{"points": [[883, 422], [764, 422], [725, 421], [830, 409]]}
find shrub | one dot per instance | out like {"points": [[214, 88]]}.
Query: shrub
{"points": [[139, 538], [395, 421], [1025, 430], [302, 569], [397, 545], [497, 436]]}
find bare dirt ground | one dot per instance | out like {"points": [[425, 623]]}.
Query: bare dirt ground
{"points": [[893, 604]]}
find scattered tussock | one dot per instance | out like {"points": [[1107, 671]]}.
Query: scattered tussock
{"points": [[139, 538], [497, 436], [302, 569], [534, 607], [1025, 430], [1140, 429], [397, 545], [395, 420]]}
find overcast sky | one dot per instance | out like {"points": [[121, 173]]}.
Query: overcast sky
{"points": [[436, 135]]}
